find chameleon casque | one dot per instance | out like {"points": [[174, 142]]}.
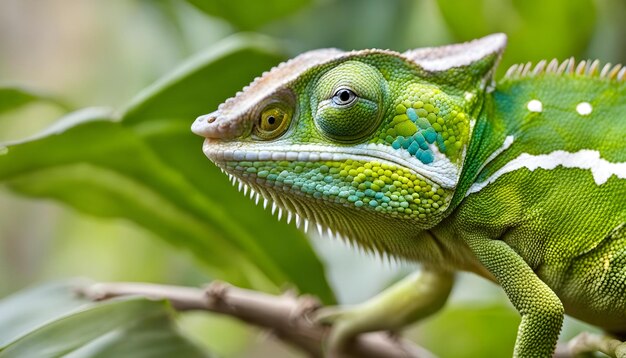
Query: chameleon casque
{"points": [[422, 156]]}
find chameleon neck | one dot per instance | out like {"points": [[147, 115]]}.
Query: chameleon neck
{"points": [[545, 121], [536, 131]]}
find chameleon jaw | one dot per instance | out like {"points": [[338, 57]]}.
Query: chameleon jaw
{"points": [[220, 152], [336, 190], [346, 177]]}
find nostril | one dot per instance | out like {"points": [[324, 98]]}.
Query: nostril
{"points": [[208, 118], [202, 125], [215, 126]]}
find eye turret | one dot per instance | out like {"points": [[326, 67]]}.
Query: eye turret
{"points": [[349, 100]]}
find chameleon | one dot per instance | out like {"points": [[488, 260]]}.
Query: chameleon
{"points": [[423, 156]]}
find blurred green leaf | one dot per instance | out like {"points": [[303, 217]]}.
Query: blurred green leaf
{"points": [[206, 80], [88, 167], [24, 311], [149, 168], [249, 14], [13, 97], [537, 29], [51, 321], [349, 24]]}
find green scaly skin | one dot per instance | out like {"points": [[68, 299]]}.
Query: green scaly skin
{"points": [[420, 156]]}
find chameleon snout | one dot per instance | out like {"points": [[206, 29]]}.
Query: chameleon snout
{"points": [[216, 126]]}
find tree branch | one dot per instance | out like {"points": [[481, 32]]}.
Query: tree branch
{"points": [[286, 316]]}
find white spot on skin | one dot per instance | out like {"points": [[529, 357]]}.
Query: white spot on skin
{"points": [[468, 96], [600, 168], [584, 108], [535, 106]]}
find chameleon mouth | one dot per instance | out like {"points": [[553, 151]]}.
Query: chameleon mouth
{"points": [[221, 153], [318, 184]]}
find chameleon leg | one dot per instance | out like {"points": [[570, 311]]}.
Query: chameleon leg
{"points": [[541, 310], [416, 296], [589, 343]]}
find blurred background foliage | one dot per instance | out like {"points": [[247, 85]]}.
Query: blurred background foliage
{"points": [[137, 172]]}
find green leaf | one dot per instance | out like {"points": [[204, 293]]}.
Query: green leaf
{"points": [[13, 97], [52, 321], [149, 168], [206, 80], [537, 29], [24, 311], [249, 14]]}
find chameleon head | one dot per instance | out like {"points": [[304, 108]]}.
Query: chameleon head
{"points": [[368, 143]]}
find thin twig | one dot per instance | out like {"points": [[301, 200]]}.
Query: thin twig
{"points": [[286, 316], [562, 351]]}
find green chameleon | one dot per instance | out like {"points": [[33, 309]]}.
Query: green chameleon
{"points": [[420, 155]]}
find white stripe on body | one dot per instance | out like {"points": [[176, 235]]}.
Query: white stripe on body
{"points": [[600, 168], [508, 141]]}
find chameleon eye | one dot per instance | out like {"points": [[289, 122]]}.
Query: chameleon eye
{"points": [[348, 101], [344, 97], [273, 121]]}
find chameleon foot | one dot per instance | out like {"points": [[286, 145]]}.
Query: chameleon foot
{"points": [[407, 301], [347, 323]]}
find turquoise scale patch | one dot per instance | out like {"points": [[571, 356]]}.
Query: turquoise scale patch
{"points": [[412, 114], [440, 143], [418, 144], [419, 138], [427, 157], [430, 135], [406, 142]]}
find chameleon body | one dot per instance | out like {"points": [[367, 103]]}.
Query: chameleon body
{"points": [[420, 155]]}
